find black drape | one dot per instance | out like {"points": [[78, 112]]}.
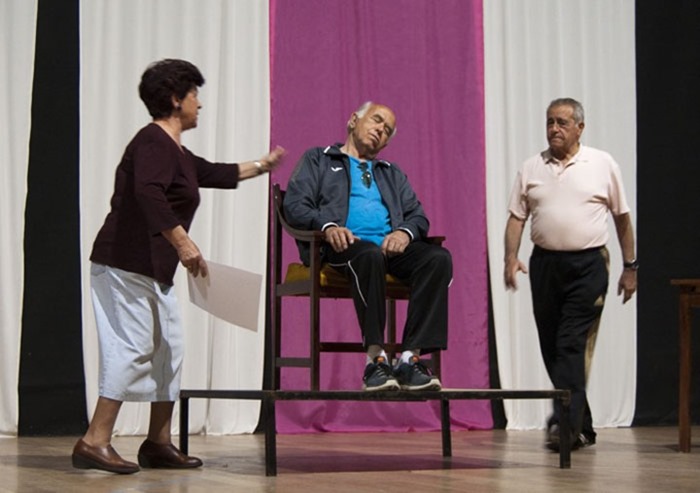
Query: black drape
{"points": [[668, 175], [51, 381]]}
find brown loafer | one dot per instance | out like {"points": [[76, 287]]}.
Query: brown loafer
{"points": [[103, 458], [156, 455]]}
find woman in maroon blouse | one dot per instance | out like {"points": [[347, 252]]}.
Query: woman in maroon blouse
{"points": [[134, 257]]}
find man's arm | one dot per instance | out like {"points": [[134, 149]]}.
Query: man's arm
{"points": [[300, 208], [627, 284], [513, 236], [413, 222]]}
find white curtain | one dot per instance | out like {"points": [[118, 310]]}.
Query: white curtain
{"points": [[536, 51], [18, 27], [228, 41]]}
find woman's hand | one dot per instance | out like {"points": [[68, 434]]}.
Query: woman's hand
{"points": [[265, 164], [192, 259], [187, 251], [273, 159]]}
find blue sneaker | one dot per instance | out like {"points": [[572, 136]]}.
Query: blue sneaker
{"points": [[378, 376], [414, 375]]}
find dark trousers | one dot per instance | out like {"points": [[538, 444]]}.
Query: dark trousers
{"points": [[568, 295], [426, 268]]}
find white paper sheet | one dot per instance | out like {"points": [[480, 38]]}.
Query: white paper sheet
{"points": [[228, 293]]}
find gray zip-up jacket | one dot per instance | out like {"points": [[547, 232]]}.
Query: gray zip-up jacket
{"points": [[318, 193]]}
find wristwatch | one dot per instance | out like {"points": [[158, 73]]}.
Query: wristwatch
{"points": [[632, 264]]}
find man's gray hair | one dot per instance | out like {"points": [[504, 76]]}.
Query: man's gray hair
{"points": [[575, 105], [361, 111]]}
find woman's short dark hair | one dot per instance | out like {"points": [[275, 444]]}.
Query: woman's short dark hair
{"points": [[164, 79]]}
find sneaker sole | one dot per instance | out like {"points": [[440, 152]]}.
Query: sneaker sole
{"points": [[432, 385], [388, 385]]}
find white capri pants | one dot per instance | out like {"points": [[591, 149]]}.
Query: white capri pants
{"points": [[140, 336]]}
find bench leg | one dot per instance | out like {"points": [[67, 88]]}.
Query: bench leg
{"points": [[184, 423], [270, 436], [564, 436], [446, 436]]}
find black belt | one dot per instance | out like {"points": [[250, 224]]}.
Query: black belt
{"points": [[538, 250]]}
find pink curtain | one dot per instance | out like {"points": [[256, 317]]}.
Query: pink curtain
{"points": [[424, 59]]}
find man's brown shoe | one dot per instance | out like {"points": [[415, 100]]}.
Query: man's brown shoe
{"points": [[156, 455], [104, 458]]}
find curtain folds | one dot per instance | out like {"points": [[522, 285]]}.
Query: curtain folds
{"points": [[228, 41], [424, 59], [536, 51], [470, 94], [18, 25]]}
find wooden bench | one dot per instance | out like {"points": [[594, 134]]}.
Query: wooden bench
{"points": [[270, 397]]}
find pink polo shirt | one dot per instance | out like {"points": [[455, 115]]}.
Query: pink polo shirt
{"points": [[569, 203]]}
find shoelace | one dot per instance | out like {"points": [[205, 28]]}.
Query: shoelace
{"points": [[380, 368], [420, 368], [383, 369]]}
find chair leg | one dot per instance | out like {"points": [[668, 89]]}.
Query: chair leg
{"points": [[315, 370], [391, 324], [276, 341], [435, 361]]}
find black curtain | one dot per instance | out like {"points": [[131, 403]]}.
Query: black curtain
{"points": [[51, 381], [668, 126]]}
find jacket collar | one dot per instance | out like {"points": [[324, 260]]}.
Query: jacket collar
{"points": [[334, 151]]}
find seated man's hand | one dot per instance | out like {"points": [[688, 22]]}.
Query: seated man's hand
{"points": [[339, 238], [395, 243]]}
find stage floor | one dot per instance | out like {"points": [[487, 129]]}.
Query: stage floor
{"points": [[643, 459]]}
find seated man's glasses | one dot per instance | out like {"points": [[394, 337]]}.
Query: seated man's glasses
{"points": [[366, 175]]}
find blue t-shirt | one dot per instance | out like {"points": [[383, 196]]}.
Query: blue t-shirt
{"points": [[368, 217]]}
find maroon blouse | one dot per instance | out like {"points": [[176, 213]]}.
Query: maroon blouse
{"points": [[156, 188]]}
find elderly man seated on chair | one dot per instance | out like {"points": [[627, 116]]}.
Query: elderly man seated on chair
{"points": [[375, 225]]}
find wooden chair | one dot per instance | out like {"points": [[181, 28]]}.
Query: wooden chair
{"points": [[315, 282]]}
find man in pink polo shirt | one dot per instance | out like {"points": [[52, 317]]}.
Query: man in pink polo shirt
{"points": [[568, 191]]}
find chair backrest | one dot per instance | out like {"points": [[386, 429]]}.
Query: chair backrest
{"points": [[314, 238], [278, 220]]}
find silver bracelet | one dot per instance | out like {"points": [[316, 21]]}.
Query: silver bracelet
{"points": [[259, 167]]}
